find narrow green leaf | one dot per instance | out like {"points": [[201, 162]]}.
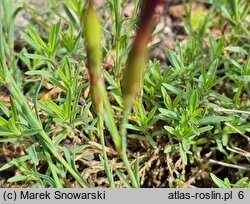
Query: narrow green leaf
{"points": [[108, 171], [48, 179], [30, 41], [185, 145], [236, 49], [214, 119], [201, 141], [169, 149], [151, 113], [219, 182], [31, 132], [136, 168], [170, 130], [183, 154], [22, 178], [168, 113], [33, 154], [3, 121], [172, 88], [122, 179], [12, 163], [193, 101], [54, 107], [53, 37], [67, 104], [240, 183], [172, 58], [4, 108], [205, 129], [151, 141], [13, 110], [6, 132], [224, 139], [36, 56], [37, 38], [70, 15]]}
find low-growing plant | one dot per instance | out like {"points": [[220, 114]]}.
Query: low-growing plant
{"points": [[86, 90]]}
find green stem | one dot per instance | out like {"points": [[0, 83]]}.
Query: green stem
{"points": [[52, 166], [77, 177], [124, 157], [123, 130], [117, 59], [120, 142], [108, 116], [106, 165], [117, 5]]}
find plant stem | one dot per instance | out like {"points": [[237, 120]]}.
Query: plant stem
{"points": [[106, 165], [108, 116], [124, 157], [120, 142], [54, 174], [117, 59], [117, 23]]}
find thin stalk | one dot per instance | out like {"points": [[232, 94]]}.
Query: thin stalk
{"points": [[123, 130], [108, 116], [9, 17], [76, 176], [54, 174], [106, 165], [235, 8], [117, 5], [117, 59], [118, 141], [117, 10], [124, 157]]}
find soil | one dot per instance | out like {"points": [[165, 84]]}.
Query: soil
{"points": [[156, 169]]}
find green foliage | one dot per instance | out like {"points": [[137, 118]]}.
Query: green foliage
{"points": [[242, 183], [177, 112]]}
